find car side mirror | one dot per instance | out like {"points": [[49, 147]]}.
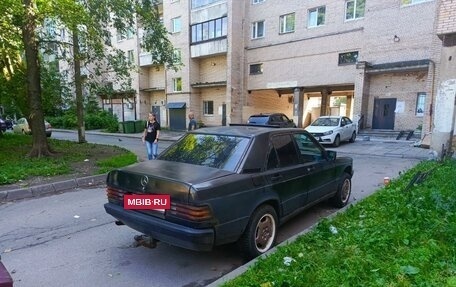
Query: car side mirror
{"points": [[331, 155]]}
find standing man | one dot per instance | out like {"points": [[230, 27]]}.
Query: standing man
{"points": [[192, 122], [150, 136]]}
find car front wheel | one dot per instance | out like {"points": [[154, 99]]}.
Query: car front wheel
{"points": [[343, 192], [353, 137], [336, 142], [260, 233]]}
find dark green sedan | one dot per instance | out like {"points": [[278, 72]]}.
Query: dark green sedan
{"points": [[228, 184]]}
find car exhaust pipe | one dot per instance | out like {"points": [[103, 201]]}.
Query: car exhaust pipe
{"points": [[118, 222], [146, 241]]}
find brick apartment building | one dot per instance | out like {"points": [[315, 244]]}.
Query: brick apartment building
{"points": [[376, 61]]}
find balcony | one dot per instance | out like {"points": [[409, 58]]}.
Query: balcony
{"points": [[209, 48], [145, 59]]}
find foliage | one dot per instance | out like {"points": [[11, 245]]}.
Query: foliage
{"points": [[396, 237], [95, 120], [15, 165]]}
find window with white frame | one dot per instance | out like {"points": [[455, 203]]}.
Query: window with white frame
{"points": [[257, 1], [257, 29], [177, 55], [130, 33], [208, 107], [120, 36], [287, 23], [316, 16], [177, 84], [212, 29], [201, 3], [354, 9], [176, 25], [130, 56], [420, 101], [409, 2]]}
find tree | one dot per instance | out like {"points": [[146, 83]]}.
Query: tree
{"points": [[22, 31]]}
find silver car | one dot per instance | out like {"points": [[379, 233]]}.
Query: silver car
{"points": [[22, 127]]}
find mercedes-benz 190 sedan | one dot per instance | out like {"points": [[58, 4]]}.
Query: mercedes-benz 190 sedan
{"points": [[230, 184]]}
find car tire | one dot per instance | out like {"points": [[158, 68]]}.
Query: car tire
{"points": [[342, 196], [261, 232], [353, 137], [336, 142]]}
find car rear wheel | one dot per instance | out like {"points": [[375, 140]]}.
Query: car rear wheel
{"points": [[353, 137], [260, 233], [343, 192], [336, 142]]}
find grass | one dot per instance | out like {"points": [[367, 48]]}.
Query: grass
{"points": [[399, 236], [69, 157]]}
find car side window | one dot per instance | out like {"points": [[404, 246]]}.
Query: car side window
{"points": [[286, 151], [308, 150], [273, 162]]}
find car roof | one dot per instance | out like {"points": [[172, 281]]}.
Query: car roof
{"points": [[239, 130], [266, 114]]}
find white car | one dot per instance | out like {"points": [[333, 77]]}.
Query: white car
{"points": [[333, 130], [22, 127]]}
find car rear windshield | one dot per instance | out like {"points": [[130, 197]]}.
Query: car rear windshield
{"points": [[258, 120], [218, 151]]}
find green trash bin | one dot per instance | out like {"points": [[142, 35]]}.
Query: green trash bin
{"points": [[129, 127], [121, 127], [139, 126]]}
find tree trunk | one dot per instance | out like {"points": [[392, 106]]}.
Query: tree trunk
{"points": [[40, 145], [78, 87]]}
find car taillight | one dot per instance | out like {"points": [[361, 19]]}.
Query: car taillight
{"points": [[190, 212], [114, 194]]}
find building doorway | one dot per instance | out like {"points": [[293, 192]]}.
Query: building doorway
{"points": [[383, 117]]}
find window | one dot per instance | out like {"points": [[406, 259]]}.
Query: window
{"points": [[209, 30], [409, 2], [420, 101], [130, 33], [201, 3], [258, 30], [285, 149], [316, 17], [177, 55], [348, 58], [176, 25], [208, 107], [130, 56], [256, 69], [308, 150], [177, 84], [287, 23], [354, 9], [121, 36], [257, 1]]}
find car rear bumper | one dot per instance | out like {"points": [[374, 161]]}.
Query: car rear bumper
{"points": [[5, 277], [162, 230]]}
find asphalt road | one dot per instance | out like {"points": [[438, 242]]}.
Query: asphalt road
{"points": [[69, 240]]}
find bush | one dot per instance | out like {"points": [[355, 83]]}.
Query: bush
{"points": [[93, 121]]}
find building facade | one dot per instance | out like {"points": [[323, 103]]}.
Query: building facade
{"points": [[376, 61]]}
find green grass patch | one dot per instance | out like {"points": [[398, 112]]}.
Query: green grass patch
{"points": [[399, 236], [69, 157]]}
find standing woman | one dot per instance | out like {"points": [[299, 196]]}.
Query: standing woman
{"points": [[150, 136]]}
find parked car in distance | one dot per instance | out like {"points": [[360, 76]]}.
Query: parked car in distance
{"points": [[274, 119], [230, 184], [22, 127], [333, 130], [2, 125]]}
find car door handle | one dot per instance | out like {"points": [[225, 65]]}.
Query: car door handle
{"points": [[276, 177]]}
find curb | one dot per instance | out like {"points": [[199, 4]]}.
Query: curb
{"points": [[51, 188]]}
